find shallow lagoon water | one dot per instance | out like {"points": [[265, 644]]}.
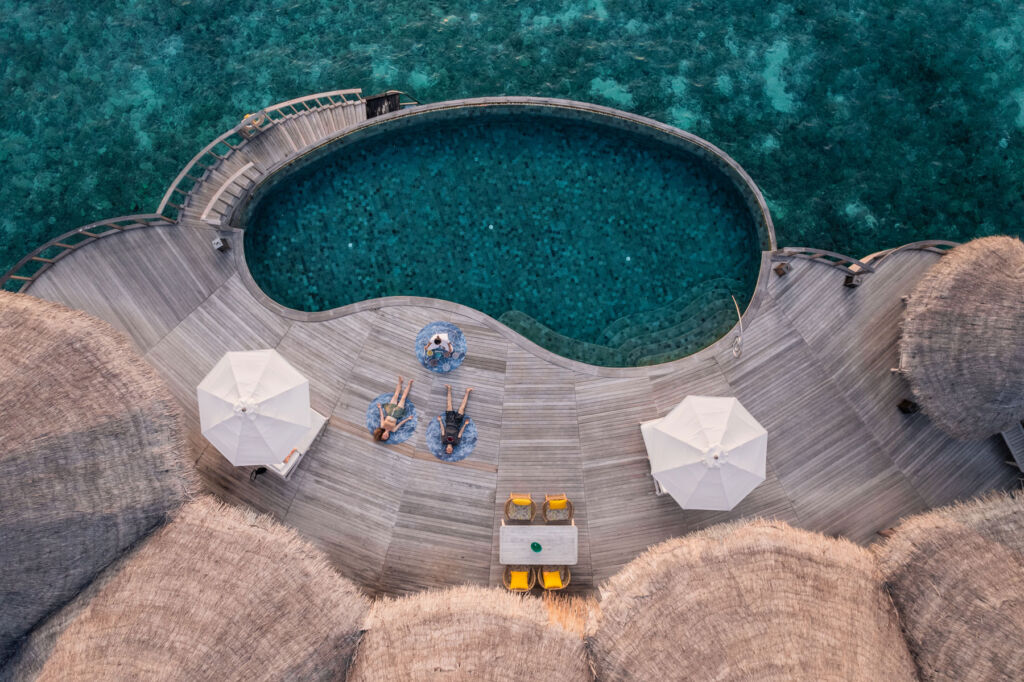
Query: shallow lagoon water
{"points": [[607, 246], [867, 124]]}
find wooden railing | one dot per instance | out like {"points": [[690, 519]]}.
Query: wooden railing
{"points": [[227, 143], [856, 269], [850, 266], [29, 268], [41, 259], [193, 173], [278, 112], [410, 101], [933, 245]]}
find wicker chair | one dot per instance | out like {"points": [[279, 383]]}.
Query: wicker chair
{"points": [[564, 576], [556, 509], [514, 583], [520, 508]]}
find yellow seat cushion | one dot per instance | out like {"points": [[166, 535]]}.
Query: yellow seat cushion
{"points": [[519, 580], [552, 580], [557, 504], [522, 501]]}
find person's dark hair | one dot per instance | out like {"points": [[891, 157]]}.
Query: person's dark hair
{"points": [[437, 339], [378, 433]]}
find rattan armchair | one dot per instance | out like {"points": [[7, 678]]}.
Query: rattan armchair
{"points": [[549, 583], [520, 508], [559, 512], [515, 583]]}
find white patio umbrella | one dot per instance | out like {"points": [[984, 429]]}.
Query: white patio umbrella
{"points": [[707, 453], [254, 407]]}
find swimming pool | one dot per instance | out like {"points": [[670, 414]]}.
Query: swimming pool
{"points": [[603, 240]]}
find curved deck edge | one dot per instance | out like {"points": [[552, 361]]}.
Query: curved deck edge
{"points": [[506, 332], [720, 159]]}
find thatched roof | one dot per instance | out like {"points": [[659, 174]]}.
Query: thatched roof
{"points": [[92, 456], [220, 593], [956, 575], [749, 601], [30, 657], [468, 633], [962, 338]]}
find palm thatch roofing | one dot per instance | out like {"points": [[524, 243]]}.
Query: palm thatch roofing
{"points": [[92, 456], [749, 601], [468, 633], [219, 593], [962, 338], [956, 575]]}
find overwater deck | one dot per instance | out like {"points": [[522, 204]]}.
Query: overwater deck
{"points": [[814, 371]]}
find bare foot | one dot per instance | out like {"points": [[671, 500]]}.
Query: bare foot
{"points": [[469, 390], [400, 378], [448, 386]]}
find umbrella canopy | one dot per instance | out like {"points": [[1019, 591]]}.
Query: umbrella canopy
{"points": [[254, 407], [962, 338], [707, 453]]}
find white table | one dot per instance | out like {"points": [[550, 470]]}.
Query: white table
{"points": [[559, 545]]}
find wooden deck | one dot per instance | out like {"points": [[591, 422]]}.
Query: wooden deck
{"points": [[814, 371]]}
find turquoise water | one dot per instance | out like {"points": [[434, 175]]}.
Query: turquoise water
{"points": [[867, 124], [602, 245]]}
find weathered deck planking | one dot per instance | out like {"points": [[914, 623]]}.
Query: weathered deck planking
{"points": [[826, 320], [826, 458], [540, 448], [814, 371], [176, 269]]}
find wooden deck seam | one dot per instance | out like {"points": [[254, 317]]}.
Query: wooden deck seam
{"points": [[182, 320], [820, 363], [341, 394], [785, 492], [583, 478], [344, 384]]}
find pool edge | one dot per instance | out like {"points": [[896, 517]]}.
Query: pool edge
{"points": [[445, 307], [736, 174]]}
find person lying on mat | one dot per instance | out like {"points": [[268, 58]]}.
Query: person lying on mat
{"points": [[454, 423], [392, 412], [439, 346]]}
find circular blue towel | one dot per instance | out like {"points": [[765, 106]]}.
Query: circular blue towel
{"points": [[403, 432], [460, 451], [436, 361]]}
